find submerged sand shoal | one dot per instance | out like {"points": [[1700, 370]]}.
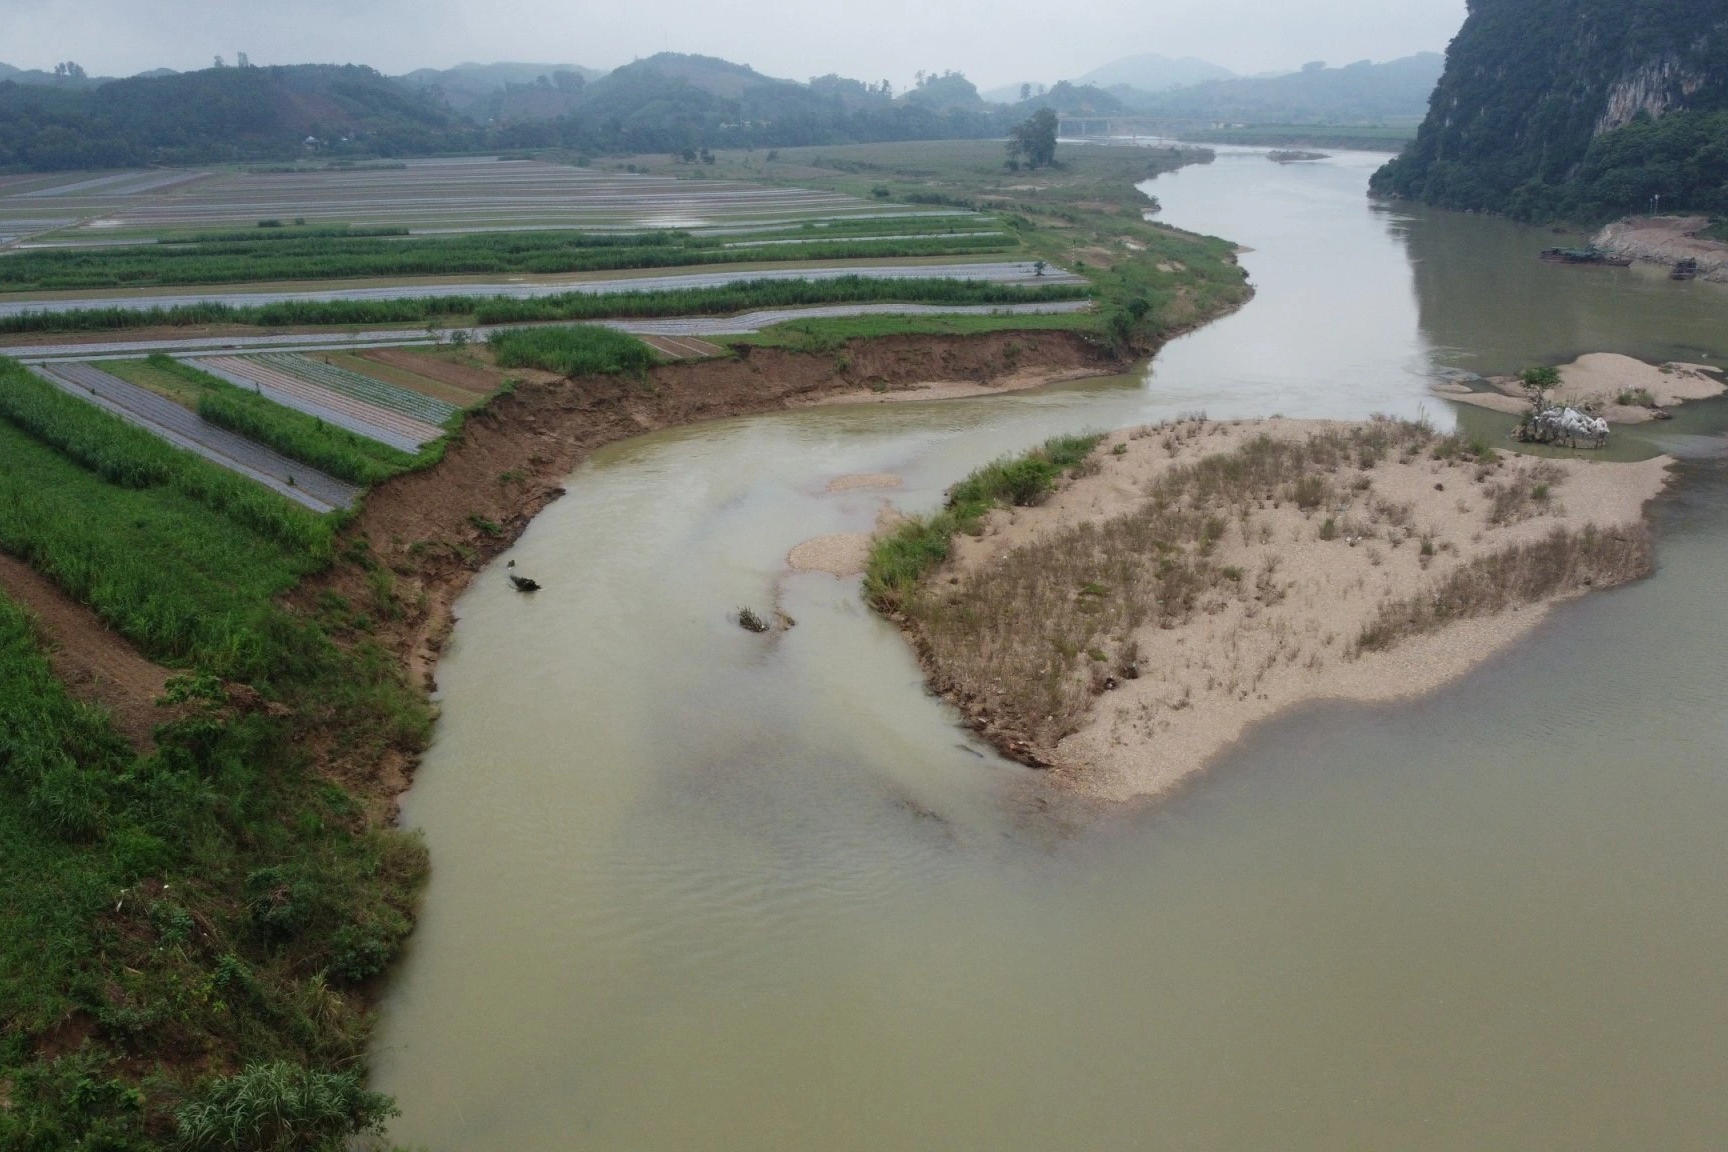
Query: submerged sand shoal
{"points": [[1244, 657]]}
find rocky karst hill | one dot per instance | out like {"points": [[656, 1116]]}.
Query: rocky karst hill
{"points": [[1576, 108]]}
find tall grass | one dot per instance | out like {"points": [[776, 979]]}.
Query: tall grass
{"points": [[181, 582], [130, 457], [1563, 561], [719, 301], [581, 350], [48, 739]]}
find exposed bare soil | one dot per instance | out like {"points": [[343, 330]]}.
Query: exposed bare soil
{"points": [[476, 380]]}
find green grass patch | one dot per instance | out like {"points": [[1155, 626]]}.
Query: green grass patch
{"points": [[208, 903], [180, 581], [899, 560], [580, 350]]}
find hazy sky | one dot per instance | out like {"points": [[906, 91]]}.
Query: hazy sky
{"points": [[992, 41]]}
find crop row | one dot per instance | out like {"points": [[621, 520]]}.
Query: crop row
{"points": [[160, 567], [333, 255], [378, 392], [740, 296], [131, 458], [296, 435]]}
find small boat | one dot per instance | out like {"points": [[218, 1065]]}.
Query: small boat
{"points": [[1590, 255], [1686, 269]]}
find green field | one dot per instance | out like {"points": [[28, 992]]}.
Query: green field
{"points": [[208, 907]]}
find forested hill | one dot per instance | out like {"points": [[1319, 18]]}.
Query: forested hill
{"points": [[667, 103], [221, 114], [1576, 108]]}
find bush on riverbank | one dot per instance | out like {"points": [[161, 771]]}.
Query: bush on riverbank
{"points": [[580, 350]]}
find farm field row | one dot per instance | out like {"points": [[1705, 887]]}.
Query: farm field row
{"points": [[984, 271], [288, 255], [140, 860], [461, 194], [184, 428], [713, 327]]}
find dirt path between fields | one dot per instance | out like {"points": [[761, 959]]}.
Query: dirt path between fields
{"points": [[95, 664]]}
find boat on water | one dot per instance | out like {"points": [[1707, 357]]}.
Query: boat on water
{"points": [[1590, 255], [1686, 269]]}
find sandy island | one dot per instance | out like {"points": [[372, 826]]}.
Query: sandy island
{"points": [[1599, 382], [1133, 626]]}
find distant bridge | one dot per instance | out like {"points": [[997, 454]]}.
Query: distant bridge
{"points": [[1073, 125]]}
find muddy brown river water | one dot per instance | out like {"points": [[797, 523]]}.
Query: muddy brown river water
{"points": [[700, 890]]}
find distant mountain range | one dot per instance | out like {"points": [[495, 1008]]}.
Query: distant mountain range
{"points": [[665, 103], [1190, 89], [1358, 93]]}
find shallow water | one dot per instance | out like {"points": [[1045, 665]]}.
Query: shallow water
{"points": [[695, 889]]}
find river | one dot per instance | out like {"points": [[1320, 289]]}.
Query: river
{"points": [[700, 890]]}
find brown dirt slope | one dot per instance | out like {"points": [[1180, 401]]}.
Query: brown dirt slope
{"points": [[95, 664]]}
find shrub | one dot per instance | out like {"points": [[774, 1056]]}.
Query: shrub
{"points": [[580, 350]]}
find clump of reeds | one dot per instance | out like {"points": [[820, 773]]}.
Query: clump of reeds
{"points": [[1563, 561]]}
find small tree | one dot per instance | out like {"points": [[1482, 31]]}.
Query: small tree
{"points": [[1034, 141], [1538, 382]]}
